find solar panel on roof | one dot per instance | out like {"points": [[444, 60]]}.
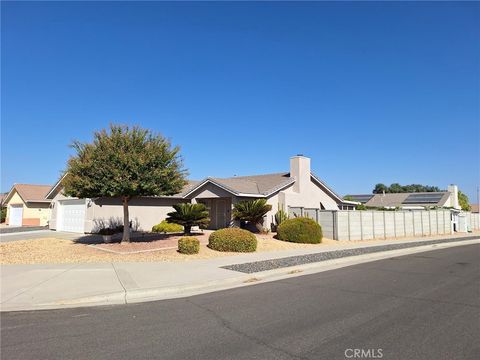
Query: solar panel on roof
{"points": [[423, 198]]}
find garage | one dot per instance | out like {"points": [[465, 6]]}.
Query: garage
{"points": [[71, 215], [16, 215]]}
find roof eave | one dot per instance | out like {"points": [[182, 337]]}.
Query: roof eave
{"points": [[7, 198], [351, 202], [279, 188], [209, 180], [335, 195], [54, 187]]}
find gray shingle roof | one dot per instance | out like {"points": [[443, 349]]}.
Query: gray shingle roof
{"points": [[252, 185], [256, 184], [398, 199]]}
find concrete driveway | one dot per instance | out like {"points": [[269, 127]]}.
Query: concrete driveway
{"points": [[39, 234]]}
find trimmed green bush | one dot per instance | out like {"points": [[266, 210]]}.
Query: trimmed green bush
{"points": [[165, 227], [188, 245], [300, 230], [232, 239]]}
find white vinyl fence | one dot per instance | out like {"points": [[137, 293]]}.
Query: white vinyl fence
{"points": [[371, 224]]}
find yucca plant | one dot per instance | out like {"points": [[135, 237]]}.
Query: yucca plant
{"points": [[280, 216], [188, 215], [252, 211]]}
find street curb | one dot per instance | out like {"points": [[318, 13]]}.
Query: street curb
{"points": [[172, 292]]}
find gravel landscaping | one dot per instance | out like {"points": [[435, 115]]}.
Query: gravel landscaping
{"points": [[60, 251], [151, 242], [264, 265], [63, 251]]}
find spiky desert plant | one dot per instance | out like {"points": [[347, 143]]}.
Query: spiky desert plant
{"points": [[280, 216], [252, 211], [188, 215]]}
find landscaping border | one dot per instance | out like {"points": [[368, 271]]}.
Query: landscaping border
{"points": [[264, 265]]}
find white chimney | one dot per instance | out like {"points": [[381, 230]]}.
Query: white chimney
{"points": [[453, 190], [300, 170]]}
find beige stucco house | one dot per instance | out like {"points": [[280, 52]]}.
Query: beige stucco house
{"points": [[27, 205], [298, 191]]}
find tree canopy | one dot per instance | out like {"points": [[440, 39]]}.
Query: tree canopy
{"points": [[397, 188], [463, 201], [124, 162]]}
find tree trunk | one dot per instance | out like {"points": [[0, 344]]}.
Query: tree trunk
{"points": [[259, 227], [126, 221], [187, 229]]}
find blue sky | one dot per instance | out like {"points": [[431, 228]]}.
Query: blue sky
{"points": [[372, 92]]}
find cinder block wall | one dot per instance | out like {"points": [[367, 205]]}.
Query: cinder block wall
{"points": [[366, 225]]}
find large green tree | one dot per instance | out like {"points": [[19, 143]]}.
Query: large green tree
{"points": [[124, 162], [463, 201]]}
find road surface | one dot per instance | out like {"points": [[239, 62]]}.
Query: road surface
{"points": [[420, 306]]}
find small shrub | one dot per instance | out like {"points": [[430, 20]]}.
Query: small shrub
{"points": [[188, 245], [107, 231], [166, 227], [232, 239], [300, 230]]}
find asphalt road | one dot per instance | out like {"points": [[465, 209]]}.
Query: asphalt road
{"points": [[421, 306]]}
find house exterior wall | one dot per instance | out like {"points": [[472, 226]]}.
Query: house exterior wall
{"points": [[34, 214], [143, 212]]}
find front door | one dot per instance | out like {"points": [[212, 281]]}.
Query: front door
{"points": [[219, 210], [221, 213]]}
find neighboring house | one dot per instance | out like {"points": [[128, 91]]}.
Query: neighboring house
{"points": [[27, 206], [417, 200], [298, 191], [2, 197], [474, 208], [2, 206]]}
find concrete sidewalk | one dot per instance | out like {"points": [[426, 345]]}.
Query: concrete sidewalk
{"points": [[34, 287]]}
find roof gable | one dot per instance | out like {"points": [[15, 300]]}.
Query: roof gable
{"points": [[255, 185], [29, 192]]}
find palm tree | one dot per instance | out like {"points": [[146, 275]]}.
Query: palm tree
{"points": [[188, 215], [252, 211]]}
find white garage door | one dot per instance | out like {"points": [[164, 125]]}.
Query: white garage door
{"points": [[16, 215], [71, 216]]}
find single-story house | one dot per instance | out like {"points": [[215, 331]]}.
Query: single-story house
{"points": [[27, 205], [297, 191], [411, 201]]}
